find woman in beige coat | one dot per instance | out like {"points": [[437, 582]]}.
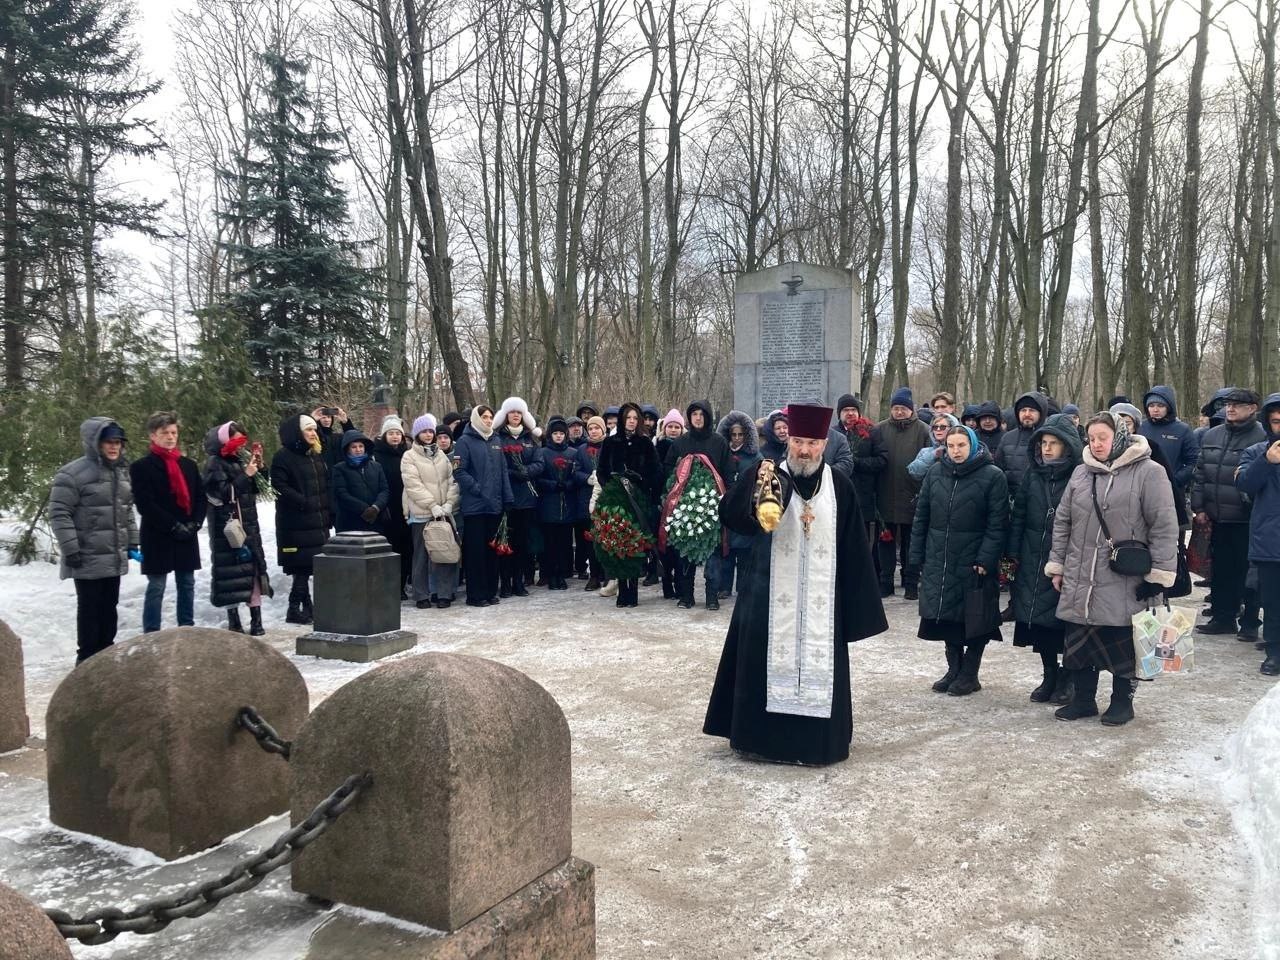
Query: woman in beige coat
{"points": [[1096, 602], [430, 496]]}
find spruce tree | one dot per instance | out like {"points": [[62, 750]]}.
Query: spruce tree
{"points": [[303, 294], [68, 81]]}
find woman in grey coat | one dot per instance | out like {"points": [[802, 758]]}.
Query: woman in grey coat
{"points": [[91, 513], [1097, 603]]}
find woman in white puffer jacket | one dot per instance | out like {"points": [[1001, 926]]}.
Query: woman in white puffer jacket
{"points": [[430, 495]]}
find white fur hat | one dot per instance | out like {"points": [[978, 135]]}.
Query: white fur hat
{"points": [[515, 403]]}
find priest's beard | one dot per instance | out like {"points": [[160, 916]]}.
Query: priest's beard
{"points": [[803, 468]]}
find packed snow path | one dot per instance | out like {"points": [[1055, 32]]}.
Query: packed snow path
{"points": [[975, 827]]}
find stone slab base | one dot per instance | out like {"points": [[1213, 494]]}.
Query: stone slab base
{"points": [[552, 917], [343, 646]]}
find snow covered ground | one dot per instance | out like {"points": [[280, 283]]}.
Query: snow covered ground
{"points": [[974, 827]]}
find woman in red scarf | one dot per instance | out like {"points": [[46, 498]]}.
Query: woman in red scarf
{"points": [[166, 490]]}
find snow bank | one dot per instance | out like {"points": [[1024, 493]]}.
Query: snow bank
{"points": [[1253, 789]]}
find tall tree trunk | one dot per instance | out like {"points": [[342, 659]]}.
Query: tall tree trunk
{"points": [[1189, 221]]}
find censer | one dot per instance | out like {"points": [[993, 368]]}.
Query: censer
{"points": [[768, 498]]}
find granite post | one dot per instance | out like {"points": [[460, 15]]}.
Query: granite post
{"points": [[15, 727], [143, 747], [357, 601], [797, 336], [469, 808], [25, 932]]}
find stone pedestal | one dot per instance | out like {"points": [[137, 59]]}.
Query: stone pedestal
{"points": [[25, 932], [554, 916], [143, 747], [797, 336], [357, 601], [470, 798], [15, 727]]}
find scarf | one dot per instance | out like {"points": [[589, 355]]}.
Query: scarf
{"points": [[357, 461], [177, 482], [232, 446], [1122, 439]]}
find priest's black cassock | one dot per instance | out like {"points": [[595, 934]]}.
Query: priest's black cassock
{"points": [[738, 701]]}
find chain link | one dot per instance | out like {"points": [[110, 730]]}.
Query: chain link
{"points": [[263, 732], [105, 924]]}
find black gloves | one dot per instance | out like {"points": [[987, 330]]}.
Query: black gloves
{"points": [[369, 514], [73, 560], [1145, 590]]}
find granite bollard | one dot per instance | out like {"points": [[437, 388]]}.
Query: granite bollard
{"points": [[25, 932], [470, 800], [15, 727], [143, 747], [357, 601]]}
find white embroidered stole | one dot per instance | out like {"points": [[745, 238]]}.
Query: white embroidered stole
{"points": [[802, 606]]}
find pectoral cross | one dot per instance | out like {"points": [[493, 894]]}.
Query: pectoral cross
{"points": [[807, 518]]}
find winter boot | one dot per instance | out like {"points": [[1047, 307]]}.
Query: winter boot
{"points": [[233, 620], [1044, 692], [1084, 700], [713, 599], [684, 584], [1120, 710], [955, 653], [592, 584], [504, 587], [308, 611], [1063, 688], [633, 593], [255, 622], [610, 588], [1271, 665], [517, 586], [967, 681], [294, 614]]}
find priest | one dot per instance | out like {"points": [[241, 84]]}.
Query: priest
{"points": [[782, 690]]}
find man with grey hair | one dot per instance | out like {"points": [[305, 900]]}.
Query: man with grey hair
{"points": [[807, 591]]}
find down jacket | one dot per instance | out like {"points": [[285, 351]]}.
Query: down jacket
{"points": [[357, 487], [1213, 482], [1137, 501], [741, 461], [559, 492], [162, 552], [230, 492], [959, 523], [1259, 479], [704, 440], [429, 482], [1035, 602], [481, 471], [300, 478], [1174, 438], [521, 450], [1013, 455], [91, 510]]}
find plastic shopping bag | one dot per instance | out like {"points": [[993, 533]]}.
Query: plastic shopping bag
{"points": [[1163, 642]]}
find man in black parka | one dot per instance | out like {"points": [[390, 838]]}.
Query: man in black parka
{"points": [[168, 494]]}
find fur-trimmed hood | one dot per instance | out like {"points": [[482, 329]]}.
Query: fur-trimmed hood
{"points": [[750, 446], [515, 403]]}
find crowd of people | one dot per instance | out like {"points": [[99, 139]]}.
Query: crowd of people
{"points": [[487, 504]]}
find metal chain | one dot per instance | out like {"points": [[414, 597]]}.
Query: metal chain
{"points": [[266, 735], [107, 923]]}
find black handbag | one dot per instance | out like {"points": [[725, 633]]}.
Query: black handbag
{"points": [[1129, 558], [981, 606], [1182, 583]]}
